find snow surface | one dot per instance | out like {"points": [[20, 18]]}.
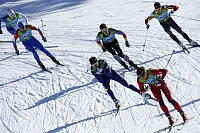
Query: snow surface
{"points": [[70, 99]]}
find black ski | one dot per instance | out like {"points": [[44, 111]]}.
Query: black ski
{"points": [[6, 41], [186, 50]]}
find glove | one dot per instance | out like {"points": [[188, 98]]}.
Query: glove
{"points": [[104, 49], [17, 51], [127, 44], [148, 26], [158, 82], [44, 39], [147, 87], [99, 71], [1, 32], [171, 13]]}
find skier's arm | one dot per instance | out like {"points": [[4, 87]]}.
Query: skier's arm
{"points": [[141, 86], [98, 41], [161, 72], [34, 28], [98, 76], [121, 33], [173, 7], [14, 43], [107, 70], [23, 18], [150, 17]]}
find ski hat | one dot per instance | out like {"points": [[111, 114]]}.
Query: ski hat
{"points": [[93, 60], [157, 5], [10, 12], [102, 26], [20, 25], [141, 71]]}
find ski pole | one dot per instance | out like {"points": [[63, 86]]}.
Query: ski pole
{"points": [[187, 18], [42, 26], [170, 58], [145, 40], [100, 55]]}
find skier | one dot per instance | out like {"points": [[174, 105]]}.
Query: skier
{"points": [[103, 73], [153, 79], [110, 43], [11, 20], [164, 17], [30, 42]]}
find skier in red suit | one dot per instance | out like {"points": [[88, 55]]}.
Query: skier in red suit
{"points": [[153, 79]]}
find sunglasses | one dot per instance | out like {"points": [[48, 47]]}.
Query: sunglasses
{"points": [[95, 64], [13, 15], [104, 30]]}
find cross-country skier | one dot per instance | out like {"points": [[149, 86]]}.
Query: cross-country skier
{"points": [[110, 44], [103, 73], [30, 42], [153, 79], [11, 20], [164, 17]]}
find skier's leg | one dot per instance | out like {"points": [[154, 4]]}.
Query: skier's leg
{"points": [[106, 84], [157, 94], [167, 29], [169, 97], [174, 25], [11, 30], [30, 48], [123, 82], [38, 45]]}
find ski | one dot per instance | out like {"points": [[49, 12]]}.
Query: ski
{"points": [[185, 123], [186, 50], [172, 126], [6, 41], [193, 45], [117, 110], [47, 71]]}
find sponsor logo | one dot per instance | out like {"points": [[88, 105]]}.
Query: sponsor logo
{"points": [[109, 38], [26, 35], [151, 80], [162, 16]]}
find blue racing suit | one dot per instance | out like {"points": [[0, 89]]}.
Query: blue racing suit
{"points": [[103, 73]]}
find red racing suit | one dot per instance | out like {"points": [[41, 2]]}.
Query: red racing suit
{"points": [[155, 75]]}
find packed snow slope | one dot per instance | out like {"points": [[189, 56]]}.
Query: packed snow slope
{"points": [[70, 100]]}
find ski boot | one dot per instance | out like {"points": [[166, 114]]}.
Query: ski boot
{"points": [[193, 43], [56, 61], [42, 66], [171, 121], [133, 65], [184, 116], [116, 103], [182, 46], [124, 65]]}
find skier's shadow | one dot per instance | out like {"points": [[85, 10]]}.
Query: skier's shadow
{"points": [[103, 114], [62, 93]]}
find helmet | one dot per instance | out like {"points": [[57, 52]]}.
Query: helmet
{"points": [[10, 12], [157, 5], [93, 60], [102, 26], [20, 25], [141, 71]]}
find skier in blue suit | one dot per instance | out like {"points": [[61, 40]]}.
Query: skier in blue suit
{"points": [[30, 42], [11, 20], [103, 73]]}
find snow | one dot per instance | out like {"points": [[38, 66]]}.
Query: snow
{"points": [[70, 99]]}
